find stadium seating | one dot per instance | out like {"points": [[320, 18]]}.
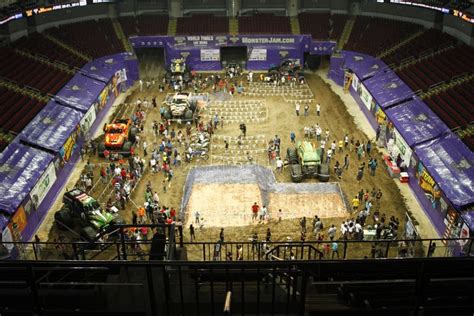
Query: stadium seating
{"points": [[372, 35], [338, 23], [264, 24], [30, 72], [431, 40], [129, 25], [454, 106], [438, 68], [152, 24], [17, 110], [38, 44], [94, 38], [316, 24], [202, 24]]}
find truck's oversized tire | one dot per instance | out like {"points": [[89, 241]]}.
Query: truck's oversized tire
{"points": [[63, 218], [88, 233], [127, 146], [291, 156], [296, 173], [166, 115], [323, 172], [132, 134], [188, 115], [101, 149], [192, 105]]}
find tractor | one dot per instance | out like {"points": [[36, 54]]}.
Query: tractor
{"points": [[120, 135], [305, 162], [82, 214]]}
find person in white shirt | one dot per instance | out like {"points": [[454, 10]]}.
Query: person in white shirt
{"points": [[297, 108], [332, 232], [318, 109], [318, 132], [279, 164]]}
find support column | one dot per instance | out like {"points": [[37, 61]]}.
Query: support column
{"points": [[292, 7], [233, 8], [176, 8]]}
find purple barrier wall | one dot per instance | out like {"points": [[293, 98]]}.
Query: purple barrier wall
{"points": [[364, 66], [105, 68], [202, 51], [388, 89], [336, 70]]}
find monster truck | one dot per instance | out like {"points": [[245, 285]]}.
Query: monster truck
{"points": [[178, 68], [181, 105], [286, 67], [82, 214], [119, 137], [305, 161]]}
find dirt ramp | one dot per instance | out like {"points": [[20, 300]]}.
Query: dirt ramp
{"points": [[223, 205], [296, 205]]}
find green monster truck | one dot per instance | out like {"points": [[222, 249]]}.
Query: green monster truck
{"points": [[82, 214], [305, 161]]}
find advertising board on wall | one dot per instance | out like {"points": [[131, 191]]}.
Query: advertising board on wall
{"points": [[430, 188], [355, 82], [43, 185], [66, 151], [258, 54], [210, 54], [403, 148], [365, 96], [88, 120]]}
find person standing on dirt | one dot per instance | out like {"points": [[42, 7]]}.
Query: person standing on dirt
{"points": [[297, 109], [243, 129], [306, 109], [192, 235], [292, 137], [277, 143], [197, 217], [216, 121], [303, 224], [221, 235], [355, 203], [318, 109], [255, 209], [268, 237]]}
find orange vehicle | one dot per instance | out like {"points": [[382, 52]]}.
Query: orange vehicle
{"points": [[120, 135]]}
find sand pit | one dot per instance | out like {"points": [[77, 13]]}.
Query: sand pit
{"points": [[297, 205], [223, 205]]}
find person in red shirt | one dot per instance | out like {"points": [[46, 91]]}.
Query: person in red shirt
{"points": [[173, 213], [255, 209], [123, 173]]}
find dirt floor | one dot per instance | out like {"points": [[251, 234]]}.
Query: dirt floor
{"points": [[279, 119]]}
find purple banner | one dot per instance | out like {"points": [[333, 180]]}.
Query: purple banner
{"points": [[105, 68], [387, 88], [22, 166], [201, 51], [80, 92], [364, 66], [416, 122], [450, 163]]}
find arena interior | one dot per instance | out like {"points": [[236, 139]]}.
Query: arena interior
{"points": [[238, 157]]}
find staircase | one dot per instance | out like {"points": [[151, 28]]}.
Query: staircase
{"points": [[233, 26], [402, 43], [66, 46], [121, 35], [172, 27], [295, 25], [43, 59], [346, 33], [29, 92], [447, 85]]}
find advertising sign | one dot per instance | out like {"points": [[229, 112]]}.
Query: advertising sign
{"points": [[68, 148], [365, 96], [43, 185], [429, 186], [258, 54], [403, 148], [355, 82], [88, 120], [19, 218], [210, 54]]}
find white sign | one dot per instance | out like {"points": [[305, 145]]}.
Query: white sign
{"points": [[355, 82], [258, 54], [210, 55], [43, 185], [121, 75], [365, 96], [7, 238], [403, 148], [88, 120]]}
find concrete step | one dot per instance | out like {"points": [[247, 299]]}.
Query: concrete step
{"points": [[172, 27], [295, 25]]}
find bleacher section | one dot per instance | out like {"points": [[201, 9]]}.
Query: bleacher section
{"points": [[431, 40], [438, 68], [129, 25], [202, 24], [316, 24], [17, 111], [338, 23], [372, 35], [95, 38], [29, 72], [37, 44], [264, 24], [152, 24], [454, 106]]}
